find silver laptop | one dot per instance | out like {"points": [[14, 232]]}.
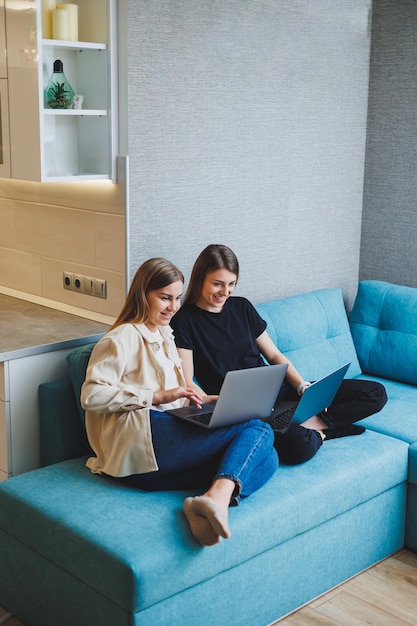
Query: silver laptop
{"points": [[315, 398], [245, 394]]}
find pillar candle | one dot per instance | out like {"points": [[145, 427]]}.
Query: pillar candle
{"points": [[47, 7], [72, 19], [60, 24]]}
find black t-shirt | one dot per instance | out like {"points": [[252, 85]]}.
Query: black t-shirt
{"points": [[220, 341]]}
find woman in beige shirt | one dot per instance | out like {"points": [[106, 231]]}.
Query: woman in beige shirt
{"points": [[133, 376]]}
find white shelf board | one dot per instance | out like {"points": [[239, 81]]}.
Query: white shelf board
{"points": [[76, 177], [76, 112], [81, 45]]}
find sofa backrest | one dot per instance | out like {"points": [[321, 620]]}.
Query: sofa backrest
{"points": [[383, 322], [62, 418], [312, 330], [62, 435], [77, 363]]}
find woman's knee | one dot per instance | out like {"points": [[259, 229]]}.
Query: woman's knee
{"points": [[381, 396], [298, 446], [376, 393], [262, 431]]}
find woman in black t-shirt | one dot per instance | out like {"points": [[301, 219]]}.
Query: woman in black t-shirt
{"points": [[216, 333]]}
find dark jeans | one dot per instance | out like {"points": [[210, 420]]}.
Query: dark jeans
{"points": [[191, 457], [355, 400]]}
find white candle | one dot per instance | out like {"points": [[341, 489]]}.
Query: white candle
{"points": [[47, 7], [72, 19], [60, 24]]}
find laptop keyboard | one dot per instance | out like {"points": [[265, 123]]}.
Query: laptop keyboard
{"points": [[204, 418], [281, 421]]}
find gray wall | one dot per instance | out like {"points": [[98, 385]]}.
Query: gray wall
{"points": [[390, 212], [247, 126]]}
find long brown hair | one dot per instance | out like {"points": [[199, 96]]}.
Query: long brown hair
{"points": [[153, 274], [214, 257]]}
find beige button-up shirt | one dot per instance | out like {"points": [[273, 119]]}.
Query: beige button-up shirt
{"points": [[122, 375]]}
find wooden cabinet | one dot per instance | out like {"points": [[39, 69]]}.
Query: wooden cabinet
{"points": [[63, 144]]}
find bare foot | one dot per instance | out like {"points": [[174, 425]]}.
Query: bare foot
{"points": [[207, 520]]}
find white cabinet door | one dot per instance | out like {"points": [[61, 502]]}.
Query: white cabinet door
{"points": [[5, 461], [24, 377], [4, 441]]}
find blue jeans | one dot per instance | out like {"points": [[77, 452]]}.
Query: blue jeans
{"points": [[191, 457]]}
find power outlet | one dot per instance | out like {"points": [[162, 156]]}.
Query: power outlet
{"points": [[85, 284]]}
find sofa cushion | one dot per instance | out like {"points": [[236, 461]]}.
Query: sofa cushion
{"points": [[383, 322], [398, 418], [312, 330], [77, 362], [122, 542]]}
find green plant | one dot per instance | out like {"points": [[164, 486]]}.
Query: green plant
{"points": [[58, 97]]}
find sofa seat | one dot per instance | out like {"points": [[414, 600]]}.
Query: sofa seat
{"points": [[128, 551], [398, 418]]}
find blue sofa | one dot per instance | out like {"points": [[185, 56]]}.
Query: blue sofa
{"points": [[77, 548]]}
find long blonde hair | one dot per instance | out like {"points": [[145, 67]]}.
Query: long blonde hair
{"points": [[153, 274]]}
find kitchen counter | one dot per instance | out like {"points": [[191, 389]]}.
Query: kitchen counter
{"points": [[27, 328]]}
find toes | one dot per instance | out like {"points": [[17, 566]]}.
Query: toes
{"points": [[216, 516], [200, 525]]}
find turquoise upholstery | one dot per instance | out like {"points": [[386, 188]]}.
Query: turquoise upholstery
{"points": [[60, 437], [383, 322], [313, 331], [82, 549], [411, 518], [398, 418], [135, 548], [384, 328], [77, 363]]}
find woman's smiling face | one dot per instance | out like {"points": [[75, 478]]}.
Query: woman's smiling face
{"points": [[217, 287], [163, 304]]}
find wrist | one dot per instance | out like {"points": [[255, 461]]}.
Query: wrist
{"points": [[302, 386]]}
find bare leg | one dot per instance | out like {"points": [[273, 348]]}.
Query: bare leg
{"points": [[316, 424], [207, 514]]}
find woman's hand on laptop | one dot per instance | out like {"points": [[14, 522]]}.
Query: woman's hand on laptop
{"points": [[204, 400], [164, 396], [207, 399]]}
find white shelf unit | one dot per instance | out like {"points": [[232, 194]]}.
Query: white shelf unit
{"points": [[77, 142], [71, 144]]}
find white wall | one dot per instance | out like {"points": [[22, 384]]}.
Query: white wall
{"points": [[247, 126]]}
